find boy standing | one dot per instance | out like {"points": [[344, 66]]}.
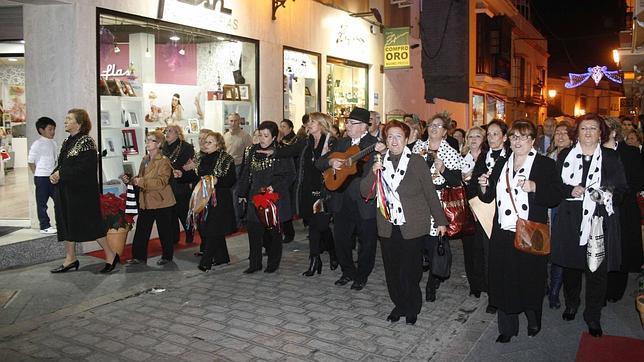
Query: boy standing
{"points": [[42, 161]]}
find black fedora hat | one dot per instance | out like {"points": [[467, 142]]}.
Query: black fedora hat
{"points": [[360, 114]]}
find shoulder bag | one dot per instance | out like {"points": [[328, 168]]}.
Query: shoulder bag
{"points": [[530, 237]]}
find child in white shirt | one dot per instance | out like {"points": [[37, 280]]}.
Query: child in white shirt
{"points": [[42, 161]]}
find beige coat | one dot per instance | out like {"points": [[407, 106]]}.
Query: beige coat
{"points": [[154, 183]]}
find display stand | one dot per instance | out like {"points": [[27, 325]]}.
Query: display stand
{"points": [[122, 143]]}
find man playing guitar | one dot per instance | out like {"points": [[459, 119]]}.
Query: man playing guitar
{"points": [[350, 212]]}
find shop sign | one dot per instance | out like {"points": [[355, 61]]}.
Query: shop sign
{"points": [[112, 71], [349, 37], [209, 14], [397, 48]]}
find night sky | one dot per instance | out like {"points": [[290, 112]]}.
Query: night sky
{"points": [[587, 29]]}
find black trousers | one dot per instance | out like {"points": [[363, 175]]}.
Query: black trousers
{"points": [[320, 234], [595, 290], [182, 194], [474, 257], [346, 222], [272, 241], [144, 223], [616, 285], [403, 262], [288, 230], [215, 250], [509, 323], [44, 191]]}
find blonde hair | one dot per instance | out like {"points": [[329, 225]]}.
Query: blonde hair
{"points": [[466, 146], [219, 139], [324, 120], [158, 135], [178, 129]]}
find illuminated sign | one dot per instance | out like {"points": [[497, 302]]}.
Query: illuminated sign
{"points": [[397, 48], [218, 18]]}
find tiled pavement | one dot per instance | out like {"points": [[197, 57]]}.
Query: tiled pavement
{"points": [[226, 315]]}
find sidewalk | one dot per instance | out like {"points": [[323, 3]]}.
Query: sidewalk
{"points": [[227, 315]]}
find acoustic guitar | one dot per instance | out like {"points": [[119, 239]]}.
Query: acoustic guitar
{"points": [[333, 179]]}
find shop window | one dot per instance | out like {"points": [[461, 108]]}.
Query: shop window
{"points": [[495, 108], [478, 109], [346, 88], [153, 74], [301, 84]]}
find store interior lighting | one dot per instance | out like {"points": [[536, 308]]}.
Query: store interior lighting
{"points": [[174, 37]]}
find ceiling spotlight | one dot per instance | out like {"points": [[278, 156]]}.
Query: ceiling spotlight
{"points": [[147, 53], [174, 38], [221, 38], [116, 49], [182, 51], [12, 59], [22, 42]]}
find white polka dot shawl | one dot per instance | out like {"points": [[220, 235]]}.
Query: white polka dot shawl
{"points": [[506, 214], [571, 173]]}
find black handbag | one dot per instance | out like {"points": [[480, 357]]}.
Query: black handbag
{"points": [[442, 259]]}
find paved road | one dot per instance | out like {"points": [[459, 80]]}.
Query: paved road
{"points": [[227, 315]]}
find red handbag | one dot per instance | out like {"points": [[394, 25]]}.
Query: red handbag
{"points": [[266, 208], [457, 211]]}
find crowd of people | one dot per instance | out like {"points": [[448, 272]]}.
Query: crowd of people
{"points": [[386, 183]]}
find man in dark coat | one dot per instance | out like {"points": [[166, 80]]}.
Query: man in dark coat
{"points": [[350, 212]]}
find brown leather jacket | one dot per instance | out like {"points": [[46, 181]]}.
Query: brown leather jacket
{"points": [[154, 183]]}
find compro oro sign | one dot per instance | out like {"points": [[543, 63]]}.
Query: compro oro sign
{"points": [[397, 48]]}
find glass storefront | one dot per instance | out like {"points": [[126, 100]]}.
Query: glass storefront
{"points": [[478, 109], [153, 74], [495, 108], [301, 84], [346, 88]]}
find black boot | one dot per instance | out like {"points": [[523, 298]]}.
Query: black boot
{"points": [[430, 289], [333, 260], [315, 265]]}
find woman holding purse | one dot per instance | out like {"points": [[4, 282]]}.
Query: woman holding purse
{"points": [[445, 165], [409, 194], [524, 187], [594, 183]]}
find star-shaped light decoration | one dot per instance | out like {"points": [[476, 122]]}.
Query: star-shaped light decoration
{"points": [[596, 72]]}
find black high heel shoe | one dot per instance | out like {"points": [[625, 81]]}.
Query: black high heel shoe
{"points": [[569, 314], [533, 331], [204, 268], [62, 268], [503, 338], [315, 265], [595, 329], [109, 267], [410, 320], [333, 261]]}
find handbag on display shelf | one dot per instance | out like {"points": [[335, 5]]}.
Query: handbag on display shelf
{"points": [[457, 211], [266, 208], [530, 237], [442, 258]]}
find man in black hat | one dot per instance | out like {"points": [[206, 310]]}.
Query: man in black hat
{"points": [[350, 212]]}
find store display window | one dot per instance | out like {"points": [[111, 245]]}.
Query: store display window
{"points": [[478, 109], [154, 73], [301, 84], [346, 88], [495, 108]]}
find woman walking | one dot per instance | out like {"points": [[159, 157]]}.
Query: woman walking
{"points": [[594, 182], [410, 194], [211, 204], [156, 202], [77, 202], [524, 187]]}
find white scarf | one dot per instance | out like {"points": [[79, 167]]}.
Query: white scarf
{"points": [[468, 164], [450, 157], [391, 179], [571, 172], [507, 216], [489, 161]]}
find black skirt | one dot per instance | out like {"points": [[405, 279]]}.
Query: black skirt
{"points": [[517, 280]]}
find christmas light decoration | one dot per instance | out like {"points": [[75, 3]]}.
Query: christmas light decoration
{"points": [[596, 73]]}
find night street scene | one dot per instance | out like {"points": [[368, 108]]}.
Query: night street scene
{"points": [[425, 180]]}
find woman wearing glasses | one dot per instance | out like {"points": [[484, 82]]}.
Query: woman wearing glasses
{"points": [[524, 186], [156, 201], [594, 183], [445, 165]]}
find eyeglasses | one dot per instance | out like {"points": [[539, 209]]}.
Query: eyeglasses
{"points": [[521, 137], [435, 125], [352, 123]]}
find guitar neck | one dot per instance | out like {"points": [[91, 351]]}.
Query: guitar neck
{"points": [[363, 153]]}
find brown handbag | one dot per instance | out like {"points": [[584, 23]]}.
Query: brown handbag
{"points": [[530, 237]]}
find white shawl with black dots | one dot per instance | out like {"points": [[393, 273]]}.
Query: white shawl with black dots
{"points": [[571, 173], [507, 216], [392, 178]]}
